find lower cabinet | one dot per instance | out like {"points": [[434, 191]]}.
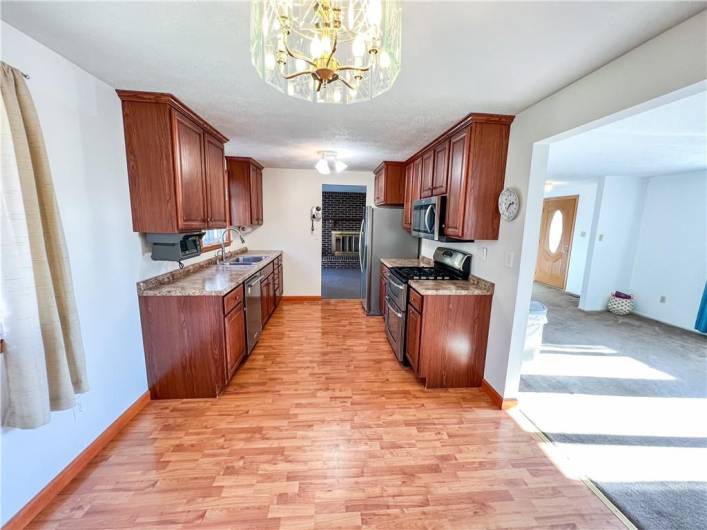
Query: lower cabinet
{"points": [[446, 338], [412, 338], [193, 344], [234, 325]]}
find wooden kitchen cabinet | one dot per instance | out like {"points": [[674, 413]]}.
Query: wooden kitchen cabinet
{"points": [[407, 204], [412, 338], [175, 165], [245, 184], [216, 184], [467, 164], [193, 344], [439, 173], [389, 184], [446, 338], [234, 325], [427, 179]]}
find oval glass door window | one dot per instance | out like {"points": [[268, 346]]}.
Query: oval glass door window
{"points": [[555, 235]]}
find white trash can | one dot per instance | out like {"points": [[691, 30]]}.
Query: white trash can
{"points": [[537, 318]]}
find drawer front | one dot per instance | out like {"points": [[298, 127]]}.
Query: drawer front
{"points": [[415, 299], [232, 299], [268, 269]]}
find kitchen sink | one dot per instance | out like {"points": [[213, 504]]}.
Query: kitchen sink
{"points": [[246, 260]]}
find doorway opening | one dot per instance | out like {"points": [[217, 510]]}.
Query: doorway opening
{"points": [[613, 369], [343, 209]]}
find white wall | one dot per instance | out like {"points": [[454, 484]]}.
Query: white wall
{"points": [[288, 196], [82, 124], [587, 191], [611, 251], [671, 251]]}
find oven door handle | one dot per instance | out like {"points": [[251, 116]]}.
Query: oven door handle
{"points": [[392, 310], [428, 211], [396, 284]]}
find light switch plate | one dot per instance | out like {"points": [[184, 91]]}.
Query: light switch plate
{"points": [[510, 257]]}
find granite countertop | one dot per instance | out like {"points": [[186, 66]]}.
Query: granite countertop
{"points": [[473, 286], [205, 278], [406, 262]]}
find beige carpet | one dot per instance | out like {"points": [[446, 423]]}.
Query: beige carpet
{"points": [[626, 400]]}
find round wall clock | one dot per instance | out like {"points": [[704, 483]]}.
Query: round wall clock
{"points": [[508, 204]]}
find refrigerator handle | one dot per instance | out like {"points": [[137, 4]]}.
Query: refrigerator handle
{"points": [[360, 243]]}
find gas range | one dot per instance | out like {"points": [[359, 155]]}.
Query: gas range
{"points": [[405, 274], [449, 264]]}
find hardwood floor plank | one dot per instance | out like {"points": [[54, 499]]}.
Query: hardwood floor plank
{"points": [[322, 428]]}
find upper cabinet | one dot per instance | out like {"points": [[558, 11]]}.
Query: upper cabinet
{"points": [[467, 164], [245, 183], [176, 165], [389, 186]]}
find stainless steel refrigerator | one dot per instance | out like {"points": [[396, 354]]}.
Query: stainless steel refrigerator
{"points": [[382, 236]]}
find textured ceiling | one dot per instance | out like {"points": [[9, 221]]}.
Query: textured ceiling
{"points": [[458, 57], [668, 139]]}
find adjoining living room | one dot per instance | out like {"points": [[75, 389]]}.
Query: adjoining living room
{"points": [[614, 370]]}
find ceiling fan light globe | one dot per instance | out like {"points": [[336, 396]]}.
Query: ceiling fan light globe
{"points": [[322, 166]]}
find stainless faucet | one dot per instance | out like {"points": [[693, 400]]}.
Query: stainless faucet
{"points": [[223, 241]]}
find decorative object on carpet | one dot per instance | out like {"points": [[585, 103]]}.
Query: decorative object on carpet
{"points": [[620, 303]]}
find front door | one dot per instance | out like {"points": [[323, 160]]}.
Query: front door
{"points": [[556, 228]]}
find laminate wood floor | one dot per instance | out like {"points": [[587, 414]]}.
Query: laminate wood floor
{"points": [[322, 428]]}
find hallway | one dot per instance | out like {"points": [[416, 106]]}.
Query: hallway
{"points": [[323, 428], [341, 284], [620, 396]]}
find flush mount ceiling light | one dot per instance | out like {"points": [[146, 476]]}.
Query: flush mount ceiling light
{"points": [[328, 163], [328, 51]]}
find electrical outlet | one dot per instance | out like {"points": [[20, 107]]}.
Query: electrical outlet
{"points": [[582, 234], [484, 253], [662, 299], [601, 237]]}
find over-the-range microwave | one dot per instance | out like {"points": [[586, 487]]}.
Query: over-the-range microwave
{"points": [[428, 217]]}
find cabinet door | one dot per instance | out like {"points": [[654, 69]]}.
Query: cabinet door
{"points": [[428, 158], [216, 194], [439, 177], [416, 179], [254, 196], [188, 141], [412, 338], [456, 193], [265, 299], [235, 339], [260, 196], [407, 205]]}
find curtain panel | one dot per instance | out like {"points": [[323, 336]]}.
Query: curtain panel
{"points": [[43, 363]]}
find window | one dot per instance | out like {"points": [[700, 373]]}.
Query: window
{"points": [[555, 235], [212, 239]]}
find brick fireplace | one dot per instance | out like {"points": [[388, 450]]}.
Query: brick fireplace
{"points": [[342, 213]]}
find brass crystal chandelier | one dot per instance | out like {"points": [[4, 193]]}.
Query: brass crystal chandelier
{"points": [[329, 51]]}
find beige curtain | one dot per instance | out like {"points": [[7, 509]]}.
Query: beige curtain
{"points": [[43, 363]]}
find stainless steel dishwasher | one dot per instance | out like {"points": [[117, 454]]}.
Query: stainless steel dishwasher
{"points": [[254, 323]]}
